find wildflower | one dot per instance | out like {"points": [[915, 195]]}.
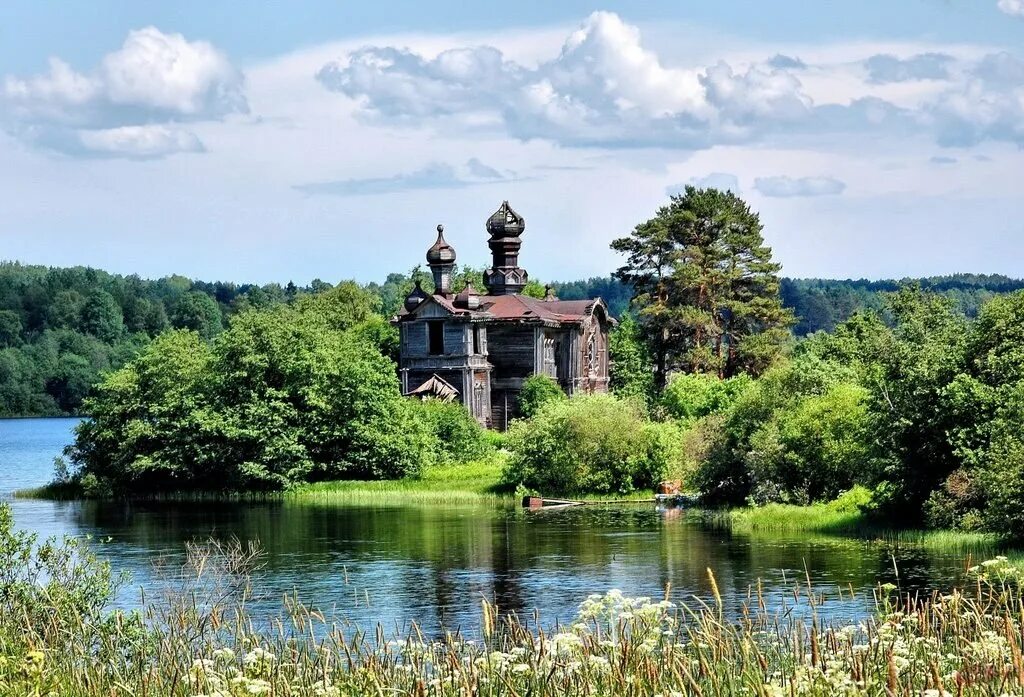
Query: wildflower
{"points": [[223, 655]]}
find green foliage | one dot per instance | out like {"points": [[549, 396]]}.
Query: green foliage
{"points": [[536, 392], [592, 444], [632, 370], [796, 435], [690, 396], [198, 312], [705, 286], [457, 435], [282, 396], [534, 289]]}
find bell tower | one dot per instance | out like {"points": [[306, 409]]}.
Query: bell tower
{"points": [[505, 277]]}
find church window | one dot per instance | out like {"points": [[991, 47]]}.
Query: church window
{"points": [[435, 337]]}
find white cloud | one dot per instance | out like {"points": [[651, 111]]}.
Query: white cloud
{"points": [[988, 105], [142, 142], [1014, 8], [788, 187], [127, 106], [603, 88]]}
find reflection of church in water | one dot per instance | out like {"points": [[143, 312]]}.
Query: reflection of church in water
{"points": [[479, 348]]}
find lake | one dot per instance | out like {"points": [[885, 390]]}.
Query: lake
{"points": [[395, 564]]}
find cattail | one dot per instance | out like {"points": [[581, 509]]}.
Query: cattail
{"points": [[714, 586]]}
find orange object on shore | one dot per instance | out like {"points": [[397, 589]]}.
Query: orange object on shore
{"points": [[670, 487]]}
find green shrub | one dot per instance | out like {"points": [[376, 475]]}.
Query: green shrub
{"points": [[796, 435], [689, 396], [457, 435], [537, 391], [592, 444]]}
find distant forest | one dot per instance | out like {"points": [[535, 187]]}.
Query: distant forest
{"points": [[60, 328]]}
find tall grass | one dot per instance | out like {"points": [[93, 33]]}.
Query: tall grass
{"points": [[58, 637]]}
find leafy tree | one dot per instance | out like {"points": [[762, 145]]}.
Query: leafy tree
{"points": [[534, 289], [282, 396], [457, 435], [197, 312], [705, 287], [632, 371], [102, 317], [537, 391], [10, 328], [797, 434]]}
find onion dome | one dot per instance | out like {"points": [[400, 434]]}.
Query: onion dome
{"points": [[441, 252], [505, 222], [549, 294], [414, 298]]}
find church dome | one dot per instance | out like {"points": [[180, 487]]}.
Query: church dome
{"points": [[414, 298], [505, 222], [441, 252]]}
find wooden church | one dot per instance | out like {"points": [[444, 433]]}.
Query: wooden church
{"points": [[479, 348]]}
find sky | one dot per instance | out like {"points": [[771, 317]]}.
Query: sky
{"points": [[273, 141]]}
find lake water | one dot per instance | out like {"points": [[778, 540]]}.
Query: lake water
{"points": [[432, 565]]}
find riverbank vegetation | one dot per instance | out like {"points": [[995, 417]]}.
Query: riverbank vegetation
{"points": [[61, 634]]}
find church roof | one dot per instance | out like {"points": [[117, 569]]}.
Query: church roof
{"points": [[525, 307], [518, 307]]}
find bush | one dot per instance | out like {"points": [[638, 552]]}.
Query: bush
{"points": [[457, 435], [689, 396], [537, 391], [592, 444], [797, 435]]}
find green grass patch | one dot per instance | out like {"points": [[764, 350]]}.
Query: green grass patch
{"points": [[470, 482], [829, 519]]}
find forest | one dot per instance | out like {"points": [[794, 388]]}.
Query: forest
{"points": [[62, 328]]}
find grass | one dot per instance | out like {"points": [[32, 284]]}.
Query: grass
{"points": [[831, 519], [470, 482], [59, 635]]}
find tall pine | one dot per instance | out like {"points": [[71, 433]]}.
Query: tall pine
{"points": [[705, 288]]}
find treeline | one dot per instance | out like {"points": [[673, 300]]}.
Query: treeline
{"points": [[822, 304], [61, 328]]}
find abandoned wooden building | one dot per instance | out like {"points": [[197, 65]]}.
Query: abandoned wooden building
{"points": [[479, 348]]}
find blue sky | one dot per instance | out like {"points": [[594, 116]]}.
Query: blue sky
{"points": [[277, 141]]}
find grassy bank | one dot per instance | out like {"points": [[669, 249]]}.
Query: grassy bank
{"points": [[839, 520], [470, 482], [476, 482], [59, 635]]}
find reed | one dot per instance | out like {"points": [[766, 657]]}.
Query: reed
{"points": [[58, 636]]}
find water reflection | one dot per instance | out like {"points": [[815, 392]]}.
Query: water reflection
{"points": [[433, 565]]}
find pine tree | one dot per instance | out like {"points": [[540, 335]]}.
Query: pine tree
{"points": [[705, 287]]}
